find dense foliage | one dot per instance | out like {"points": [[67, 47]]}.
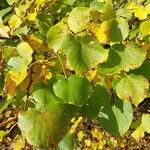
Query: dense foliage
{"points": [[61, 58]]}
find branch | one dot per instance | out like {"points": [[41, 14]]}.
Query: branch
{"points": [[8, 121]]}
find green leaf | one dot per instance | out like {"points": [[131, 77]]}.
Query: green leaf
{"points": [[84, 54], [43, 129], [5, 11], [98, 98], [75, 90], [145, 27], [124, 27], [2, 79], [133, 88], [123, 57], [116, 119], [44, 97], [4, 104], [68, 2], [79, 19], [115, 32], [143, 127], [56, 36], [17, 63], [67, 143], [8, 52], [48, 22], [11, 2], [21, 31]]}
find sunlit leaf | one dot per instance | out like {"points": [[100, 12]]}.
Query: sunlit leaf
{"points": [[139, 11], [18, 143], [14, 22], [84, 54], [32, 16], [142, 128], [56, 36], [2, 134], [79, 19], [25, 51], [101, 32], [145, 27], [133, 88], [11, 2], [18, 70]]}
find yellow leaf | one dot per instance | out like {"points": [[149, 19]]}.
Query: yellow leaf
{"points": [[139, 11], [22, 7], [138, 133], [145, 27], [80, 135], [87, 142], [14, 22], [32, 16], [45, 73], [39, 2], [18, 144], [25, 51], [2, 134], [94, 146], [16, 76]]}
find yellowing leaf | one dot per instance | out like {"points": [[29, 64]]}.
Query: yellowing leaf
{"points": [[100, 32], [32, 16], [133, 88], [145, 27], [25, 51], [14, 22]]}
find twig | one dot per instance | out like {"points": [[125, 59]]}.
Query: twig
{"points": [[8, 121]]}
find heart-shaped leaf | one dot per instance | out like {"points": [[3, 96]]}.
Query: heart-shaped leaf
{"points": [[133, 88], [98, 98], [123, 57], [43, 129], [117, 118], [75, 90]]}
